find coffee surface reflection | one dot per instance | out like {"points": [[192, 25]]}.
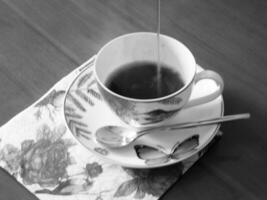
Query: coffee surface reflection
{"points": [[140, 80]]}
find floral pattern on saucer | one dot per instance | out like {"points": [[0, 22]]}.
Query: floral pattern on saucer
{"points": [[78, 100]]}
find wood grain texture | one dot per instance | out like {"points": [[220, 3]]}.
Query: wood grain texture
{"points": [[41, 41]]}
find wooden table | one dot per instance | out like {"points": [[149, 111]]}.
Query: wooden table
{"points": [[41, 41]]}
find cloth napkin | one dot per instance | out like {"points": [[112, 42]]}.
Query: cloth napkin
{"points": [[41, 153]]}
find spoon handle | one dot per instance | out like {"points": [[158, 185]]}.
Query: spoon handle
{"points": [[212, 121], [200, 123]]}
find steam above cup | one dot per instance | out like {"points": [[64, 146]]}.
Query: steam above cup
{"points": [[142, 47]]}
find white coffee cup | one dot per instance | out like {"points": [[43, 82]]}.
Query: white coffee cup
{"points": [[142, 46]]}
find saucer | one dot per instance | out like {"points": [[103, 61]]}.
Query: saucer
{"points": [[85, 111]]}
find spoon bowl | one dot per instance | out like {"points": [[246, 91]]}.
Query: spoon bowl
{"points": [[115, 136]]}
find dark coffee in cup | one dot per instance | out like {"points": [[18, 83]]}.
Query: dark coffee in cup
{"points": [[143, 80]]}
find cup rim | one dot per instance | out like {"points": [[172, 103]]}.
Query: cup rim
{"points": [[102, 85]]}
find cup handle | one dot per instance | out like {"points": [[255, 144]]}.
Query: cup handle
{"points": [[207, 74]]}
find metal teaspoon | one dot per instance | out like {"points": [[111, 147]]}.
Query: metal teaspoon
{"points": [[118, 136]]}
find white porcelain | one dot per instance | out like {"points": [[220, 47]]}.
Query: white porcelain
{"points": [[142, 46], [85, 111]]}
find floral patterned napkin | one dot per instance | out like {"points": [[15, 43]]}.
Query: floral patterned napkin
{"points": [[38, 150]]}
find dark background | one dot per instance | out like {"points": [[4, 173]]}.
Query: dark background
{"points": [[43, 40]]}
